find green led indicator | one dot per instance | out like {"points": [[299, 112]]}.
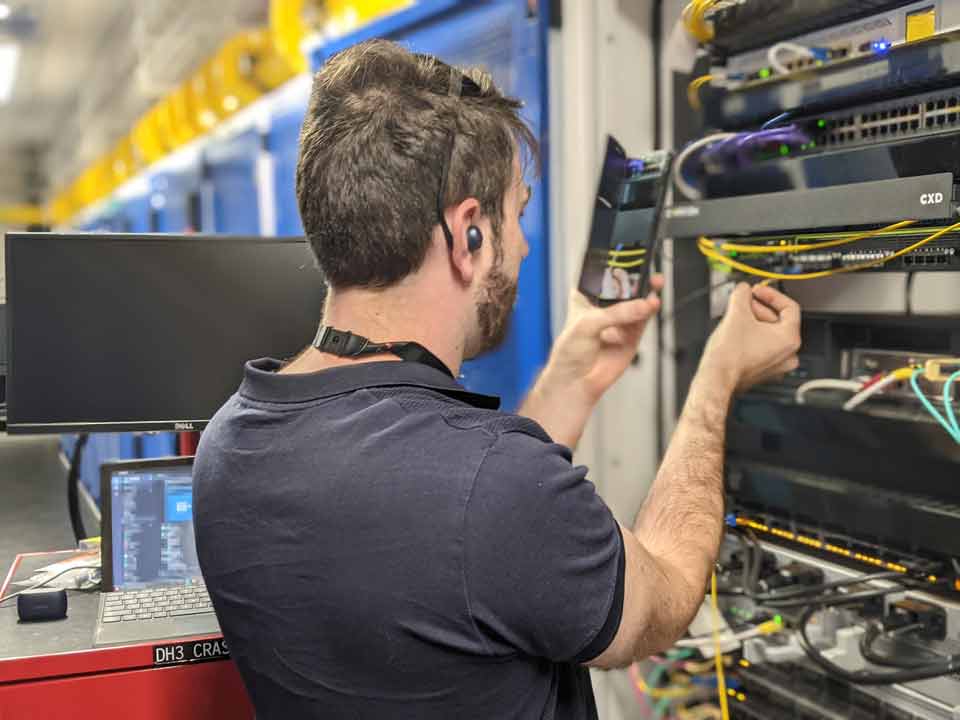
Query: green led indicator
{"points": [[813, 144], [778, 619], [764, 73], [821, 123], [733, 253], [784, 150]]}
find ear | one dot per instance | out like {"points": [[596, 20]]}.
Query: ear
{"points": [[460, 217]]}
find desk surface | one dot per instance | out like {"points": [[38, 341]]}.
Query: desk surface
{"points": [[61, 648], [72, 633], [33, 516]]}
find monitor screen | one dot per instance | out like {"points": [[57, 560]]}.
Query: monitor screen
{"points": [[147, 332], [151, 524]]}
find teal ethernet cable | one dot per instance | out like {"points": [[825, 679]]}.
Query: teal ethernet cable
{"points": [[948, 403], [931, 409]]}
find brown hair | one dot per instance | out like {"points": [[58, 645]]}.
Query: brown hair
{"points": [[377, 132]]}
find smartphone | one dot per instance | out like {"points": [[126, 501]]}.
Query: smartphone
{"points": [[625, 231]]}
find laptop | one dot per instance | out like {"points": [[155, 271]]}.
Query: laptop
{"points": [[152, 586]]}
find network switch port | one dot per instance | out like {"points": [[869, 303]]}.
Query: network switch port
{"points": [[920, 114]]}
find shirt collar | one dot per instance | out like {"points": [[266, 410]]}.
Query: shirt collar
{"points": [[262, 381]]}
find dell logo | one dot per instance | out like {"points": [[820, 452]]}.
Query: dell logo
{"points": [[183, 426], [931, 198]]}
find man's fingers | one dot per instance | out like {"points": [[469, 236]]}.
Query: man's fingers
{"points": [[784, 306], [763, 313], [629, 312], [740, 298], [788, 365], [657, 282], [613, 336], [578, 303]]}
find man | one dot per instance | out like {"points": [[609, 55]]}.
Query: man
{"points": [[377, 541]]}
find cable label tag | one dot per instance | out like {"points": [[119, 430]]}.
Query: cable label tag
{"points": [[681, 211], [182, 653]]}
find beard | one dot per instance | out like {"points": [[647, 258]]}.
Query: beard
{"points": [[499, 294]]}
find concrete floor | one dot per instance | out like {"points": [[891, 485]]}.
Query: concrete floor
{"points": [[33, 498]]}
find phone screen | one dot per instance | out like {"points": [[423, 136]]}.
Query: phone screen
{"points": [[626, 221]]}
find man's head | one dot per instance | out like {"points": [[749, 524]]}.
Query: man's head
{"points": [[382, 129]]}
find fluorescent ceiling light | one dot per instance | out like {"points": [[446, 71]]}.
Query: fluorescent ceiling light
{"points": [[4, 11], [9, 57]]}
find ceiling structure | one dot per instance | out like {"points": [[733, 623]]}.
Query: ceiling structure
{"points": [[88, 69]]}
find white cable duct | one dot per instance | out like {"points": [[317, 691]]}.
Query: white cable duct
{"points": [[174, 37], [154, 46], [104, 107]]}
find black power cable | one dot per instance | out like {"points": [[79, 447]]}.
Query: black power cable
{"points": [[875, 631], [751, 570], [73, 488], [830, 600], [947, 666]]}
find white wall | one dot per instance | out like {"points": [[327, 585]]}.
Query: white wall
{"points": [[601, 67]]}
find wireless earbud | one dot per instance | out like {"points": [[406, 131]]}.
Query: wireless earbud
{"points": [[474, 238]]}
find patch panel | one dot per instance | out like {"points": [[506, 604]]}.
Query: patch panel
{"points": [[926, 258], [871, 35], [941, 255]]}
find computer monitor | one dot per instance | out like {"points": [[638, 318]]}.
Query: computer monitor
{"points": [[147, 332], [148, 523]]}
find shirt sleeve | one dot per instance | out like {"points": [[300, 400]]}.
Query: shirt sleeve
{"points": [[543, 554]]}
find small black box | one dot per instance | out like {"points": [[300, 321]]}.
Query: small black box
{"points": [[42, 604]]}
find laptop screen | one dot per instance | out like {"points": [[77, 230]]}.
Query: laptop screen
{"points": [[152, 539]]}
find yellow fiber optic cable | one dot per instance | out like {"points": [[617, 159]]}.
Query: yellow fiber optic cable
{"points": [[718, 655], [625, 265], [706, 248], [693, 91], [746, 249]]}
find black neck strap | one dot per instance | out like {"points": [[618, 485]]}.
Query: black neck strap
{"points": [[346, 344]]}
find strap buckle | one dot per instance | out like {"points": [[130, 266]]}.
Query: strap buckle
{"points": [[339, 342]]}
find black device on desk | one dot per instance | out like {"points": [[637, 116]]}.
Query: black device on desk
{"points": [[625, 229], [152, 584]]}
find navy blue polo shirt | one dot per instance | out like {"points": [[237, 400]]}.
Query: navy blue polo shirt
{"points": [[380, 543]]}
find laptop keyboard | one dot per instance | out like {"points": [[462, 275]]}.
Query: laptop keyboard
{"points": [[155, 603]]}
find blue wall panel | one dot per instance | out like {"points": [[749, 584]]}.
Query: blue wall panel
{"points": [[231, 168], [135, 213], [172, 194], [283, 143], [501, 36]]}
